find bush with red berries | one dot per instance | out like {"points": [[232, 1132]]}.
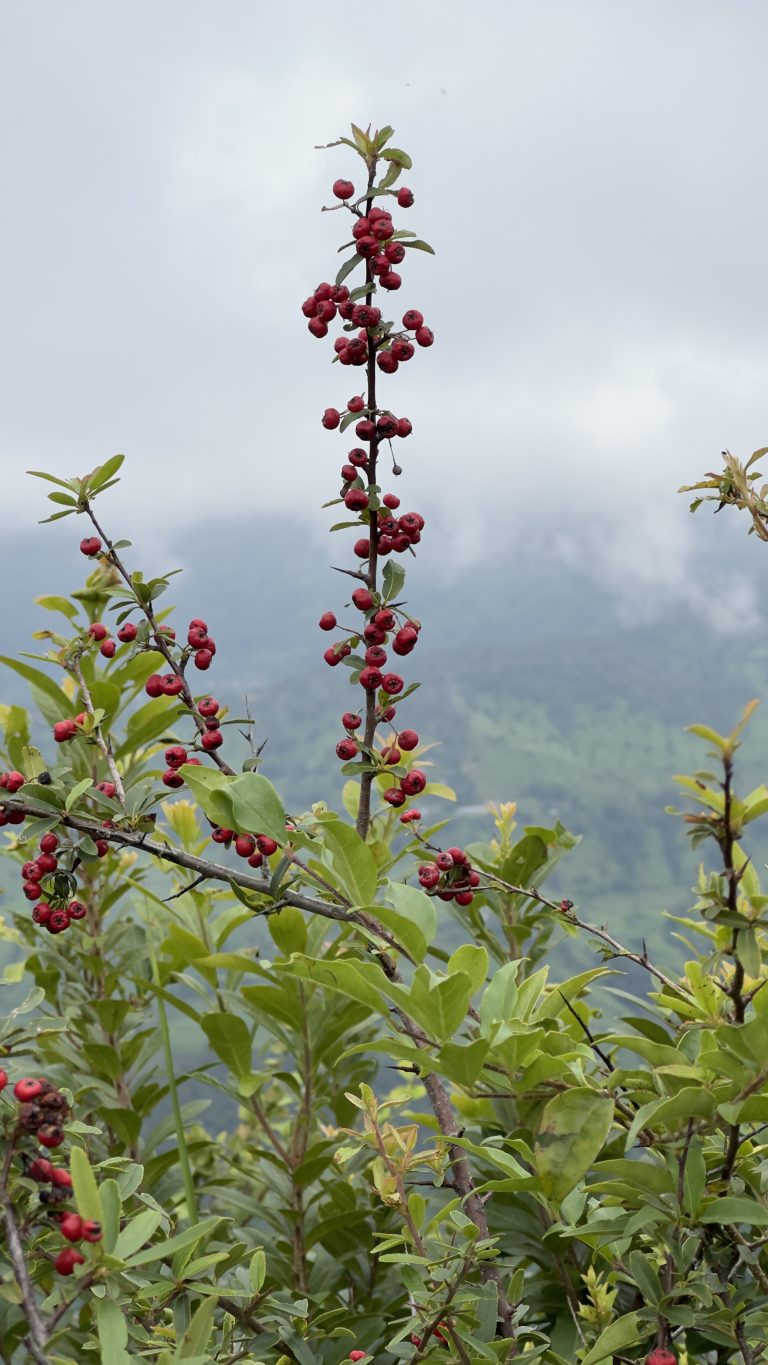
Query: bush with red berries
{"points": [[323, 1091]]}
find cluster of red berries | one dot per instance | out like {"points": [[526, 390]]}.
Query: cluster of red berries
{"points": [[253, 847], [42, 1110], [380, 623], [200, 647], [53, 908], [210, 738], [451, 876], [11, 782]]}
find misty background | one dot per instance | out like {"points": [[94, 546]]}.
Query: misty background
{"points": [[592, 179]]}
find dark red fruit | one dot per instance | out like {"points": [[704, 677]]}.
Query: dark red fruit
{"points": [[365, 430], [402, 350], [357, 1355], [203, 659], [394, 252], [127, 633], [107, 789], [175, 756], [212, 739], [356, 500], [444, 861], [67, 1259], [408, 816], [351, 721], [405, 197], [32, 890], [429, 875], [392, 683], [391, 501], [412, 319], [47, 863], [387, 362], [362, 547], [245, 845], [3, 1079], [376, 656], [464, 898], [58, 921], [171, 778], [98, 631], [358, 458], [408, 739], [71, 1227], [370, 679], [40, 1169], [41, 913], [425, 336], [27, 1089], [64, 730], [331, 419], [90, 546], [346, 749], [414, 782], [661, 1356], [318, 328], [172, 684], [327, 621], [221, 835], [390, 280], [343, 189], [362, 599], [404, 426], [256, 859], [208, 707], [266, 845], [58, 1176], [154, 685], [14, 781], [92, 1230], [356, 404], [394, 796], [76, 910], [49, 843]]}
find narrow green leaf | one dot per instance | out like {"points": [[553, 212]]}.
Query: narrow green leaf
{"points": [[625, 1331]]}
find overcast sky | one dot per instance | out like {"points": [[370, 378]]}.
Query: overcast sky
{"points": [[592, 174]]}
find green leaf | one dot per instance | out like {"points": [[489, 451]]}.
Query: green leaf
{"points": [[348, 267], [74, 794], [136, 1232], [62, 705], [471, 960], [288, 930], [257, 1271], [49, 478], [734, 1208], [60, 604], [230, 1039], [351, 859], [625, 1331], [256, 806], [189, 1237], [84, 1182], [113, 1331], [440, 1004], [573, 1129], [418, 245], [198, 1333], [104, 472], [396, 154], [392, 580], [414, 905], [408, 934]]}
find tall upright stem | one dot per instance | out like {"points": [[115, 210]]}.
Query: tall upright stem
{"points": [[366, 782]]}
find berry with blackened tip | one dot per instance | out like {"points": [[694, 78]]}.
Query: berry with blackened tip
{"points": [[92, 1230], [414, 782], [208, 707], [76, 910], [127, 632], [346, 749]]}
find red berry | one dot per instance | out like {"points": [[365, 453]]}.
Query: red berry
{"points": [[221, 835], [28, 1088], [365, 430], [370, 679], [58, 921], [318, 328], [362, 599], [208, 707], [32, 891], [92, 1230], [357, 1355], [394, 796], [387, 362], [107, 789], [40, 1169], [464, 898], [362, 547], [14, 781], [102, 848], [57, 1175], [107, 649], [98, 631], [245, 845], [90, 546], [31, 872], [409, 816], [458, 855], [256, 859], [391, 280], [408, 739], [386, 425], [661, 1356], [444, 861], [49, 843], [172, 684], [331, 419], [343, 189], [392, 683], [402, 350], [357, 501], [412, 319], [64, 730], [404, 426], [425, 336], [351, 721], [333, 656], [47, 863], [405, 197], [71, 1227], [361, 228], [154, 685], [394, 252], [391, 755], [67, 1259], [212, 739], [203, 659], [266, 845], [197, 637], [414, 782], [3, 1079], [41, 913], [172, 778], [76, 910], [365, 315], [376, 656], [175, 756], [391, 500], [385, 619], [429, 875], [356, 404], [358, 458], [346, 749]]}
